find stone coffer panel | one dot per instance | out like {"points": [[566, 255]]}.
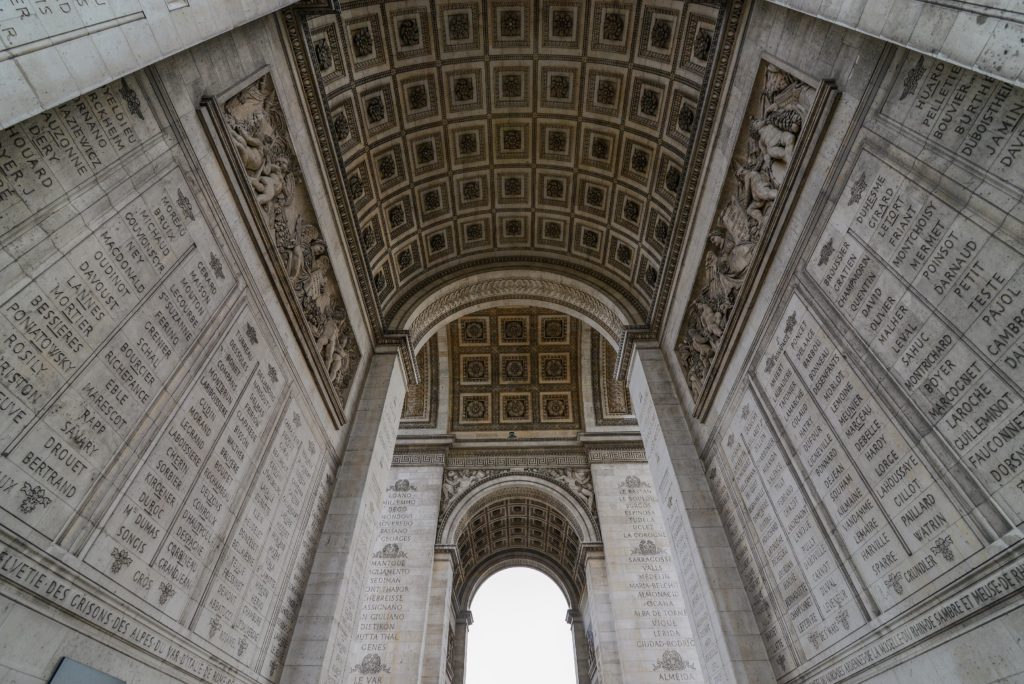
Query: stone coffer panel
{"points": [[164, 463], [864, 447]]}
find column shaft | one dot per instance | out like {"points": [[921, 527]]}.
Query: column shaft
{"points": [[729, 642], [330, 606], [434, 662]]}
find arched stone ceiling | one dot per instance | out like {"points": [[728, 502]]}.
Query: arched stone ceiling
{"points": [[518, 522], [464, 135]]}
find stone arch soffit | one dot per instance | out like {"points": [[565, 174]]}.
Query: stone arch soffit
{"points": [[517, 559], [434, 308], [515, 484]]}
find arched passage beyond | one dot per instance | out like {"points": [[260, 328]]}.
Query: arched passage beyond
{"points": [[518, 521], [519, 630], [423, 315]]}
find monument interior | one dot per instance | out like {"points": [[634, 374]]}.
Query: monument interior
{"points": [[315, 315]]}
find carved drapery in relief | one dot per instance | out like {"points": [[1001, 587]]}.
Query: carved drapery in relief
{"points": [[612, 405], [420, 408]]}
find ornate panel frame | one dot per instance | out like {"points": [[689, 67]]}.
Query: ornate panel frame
{"points": [[318, 332], [745, 283]]}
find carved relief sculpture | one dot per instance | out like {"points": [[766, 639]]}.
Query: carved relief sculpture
{"points": [[252, 125], [420, 408], [612, 405], [781, 111]]}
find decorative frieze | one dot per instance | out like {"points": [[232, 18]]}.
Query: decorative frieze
{"points": [[784, 116], [253, 133]]}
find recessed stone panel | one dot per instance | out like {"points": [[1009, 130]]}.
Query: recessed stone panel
{"points": [[526, 360], [156, 432]]}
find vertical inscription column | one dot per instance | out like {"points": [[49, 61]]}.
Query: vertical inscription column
{"points": [[263, 542], [730, 649], [110, 276], [89, 344], [654, 631], [900, 524], [937, 295], [166, 528], [601, 637], [769, 612], [438, 635], [784, 533], [330, 606], [386, 646]]}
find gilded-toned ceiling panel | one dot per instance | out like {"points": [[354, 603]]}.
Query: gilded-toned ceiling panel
{"points": [[468, 133], [515, 370]]}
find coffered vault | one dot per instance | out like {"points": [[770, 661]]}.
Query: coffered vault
{"points": [[559, 136], [224, 227], [525, 519]]}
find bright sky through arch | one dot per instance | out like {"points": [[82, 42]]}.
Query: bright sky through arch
{"points": [[519, 633]]}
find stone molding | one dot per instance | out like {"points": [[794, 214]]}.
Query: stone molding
{"points": [[618, 456], [418, 459], [250, 134], [535, 289], [513, 459]]}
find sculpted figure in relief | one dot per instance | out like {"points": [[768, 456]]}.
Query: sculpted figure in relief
{"points": [[575, 480], [455, 481], [762, 159], [258, 132]]}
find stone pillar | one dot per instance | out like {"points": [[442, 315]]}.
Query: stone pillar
{"points": [[434, 658], [330, 606], [396, 593], [729, 641], [654, 629], [462, 622], [579, 645], [602, 622]]}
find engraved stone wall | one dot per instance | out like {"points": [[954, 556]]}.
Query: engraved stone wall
{"points": [[164, 471], [387, 642], [865, 459], [652, 626], [54, 50]]}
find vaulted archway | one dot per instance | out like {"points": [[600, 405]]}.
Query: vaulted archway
{"points": [[520, 520], [465, 138], [520, 631]]}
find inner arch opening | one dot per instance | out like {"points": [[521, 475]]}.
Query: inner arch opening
{"points": [[519, 631]]}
